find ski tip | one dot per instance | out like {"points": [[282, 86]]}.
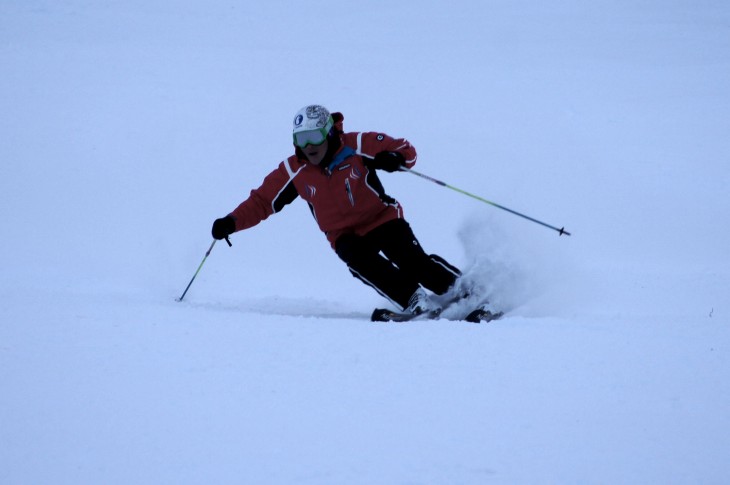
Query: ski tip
{"points": [[480, 315], [380, 315]]}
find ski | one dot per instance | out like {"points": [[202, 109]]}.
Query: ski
{"points": [[475, 316], [385, 315]]}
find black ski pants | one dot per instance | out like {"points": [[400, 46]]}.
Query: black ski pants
{"points": [[390, 259]]}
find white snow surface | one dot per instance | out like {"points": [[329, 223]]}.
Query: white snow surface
{"points": [[128, 127]]}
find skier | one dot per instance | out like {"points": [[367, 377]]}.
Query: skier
{"points": [[335, 173]]}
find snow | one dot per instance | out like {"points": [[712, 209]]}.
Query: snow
{"points": [[128, 127]]}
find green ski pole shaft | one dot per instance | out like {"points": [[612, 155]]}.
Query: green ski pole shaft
{"points": [[198, 270], [560, 231]]}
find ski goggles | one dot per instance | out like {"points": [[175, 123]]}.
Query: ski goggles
{"points": [[313, 137]]}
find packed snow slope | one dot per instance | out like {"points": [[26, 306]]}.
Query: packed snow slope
{"points": [[128, 127]]}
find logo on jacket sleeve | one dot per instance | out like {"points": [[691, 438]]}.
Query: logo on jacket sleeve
{"points": [[311, 191]]}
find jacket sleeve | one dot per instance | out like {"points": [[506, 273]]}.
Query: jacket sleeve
{"points": [[275, 192], [370, 144]]}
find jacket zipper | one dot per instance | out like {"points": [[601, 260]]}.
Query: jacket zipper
{"points": [[348, 189]]}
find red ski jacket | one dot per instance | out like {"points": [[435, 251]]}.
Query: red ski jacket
{"points": [[345, 197]]}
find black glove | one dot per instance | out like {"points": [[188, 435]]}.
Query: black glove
{"points": [[388, 161], [224, 227]]}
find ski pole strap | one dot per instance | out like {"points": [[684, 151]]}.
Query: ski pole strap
{"points": [[560, 231]]}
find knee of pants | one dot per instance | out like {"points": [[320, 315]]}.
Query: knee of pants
{"points": [[349, 248], [448, 266]]}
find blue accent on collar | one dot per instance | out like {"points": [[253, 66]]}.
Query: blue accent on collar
{"points": [[344, 154]]}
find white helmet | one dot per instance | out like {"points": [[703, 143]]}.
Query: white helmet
{"points": [[312, 124]]}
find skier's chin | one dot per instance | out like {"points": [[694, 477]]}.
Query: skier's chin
{"points": [[315, 158]]}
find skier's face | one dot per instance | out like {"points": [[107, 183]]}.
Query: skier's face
{"points": [[315, 153]]}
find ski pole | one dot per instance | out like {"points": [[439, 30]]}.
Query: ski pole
{"points": [[561, 230], [198, 270]]}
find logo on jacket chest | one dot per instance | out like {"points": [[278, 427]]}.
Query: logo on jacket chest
{"points": [[355, 173]]}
